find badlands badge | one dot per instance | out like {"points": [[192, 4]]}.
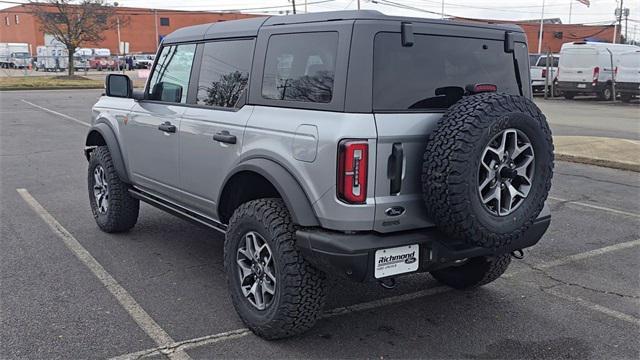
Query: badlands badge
{"points": [[397, 260]]}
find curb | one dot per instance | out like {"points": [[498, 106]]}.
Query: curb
{"points": [[620, 165]]}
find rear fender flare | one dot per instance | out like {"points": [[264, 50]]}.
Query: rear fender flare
{"points": [[287, 186]]}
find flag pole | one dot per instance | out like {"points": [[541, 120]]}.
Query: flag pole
{"points": [[541, 29]]}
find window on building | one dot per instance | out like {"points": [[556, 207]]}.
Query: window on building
{"points": [[170, 78], [300, 67], [224, 73], [17, 19], [164, 21], [7, 21]]}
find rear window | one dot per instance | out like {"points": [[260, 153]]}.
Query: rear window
{"points": [[553, 61], [433, 73], [300, 67], [579, 58]]}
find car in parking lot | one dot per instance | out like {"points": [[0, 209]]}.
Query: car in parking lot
{"points": [[351, 143], [587, 68], [628, 76], [540, 72]]}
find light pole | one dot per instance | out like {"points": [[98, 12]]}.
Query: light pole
{"points": [[541, 29], [442, 12]]}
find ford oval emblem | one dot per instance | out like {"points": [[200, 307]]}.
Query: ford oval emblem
{"points": [[394, 211]]}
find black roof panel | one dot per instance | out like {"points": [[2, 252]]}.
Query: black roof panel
{"points": [[250, 27]]}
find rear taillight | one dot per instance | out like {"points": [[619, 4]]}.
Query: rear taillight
{"points": [[544, 73], [596, 74], [353, 156]]}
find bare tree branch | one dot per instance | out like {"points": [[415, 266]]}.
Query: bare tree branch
{"points": [[74, 23]]}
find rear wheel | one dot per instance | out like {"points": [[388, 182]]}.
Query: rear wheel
{"points": [[275, 291], [473, 272], [606, 94], [569, 95]]}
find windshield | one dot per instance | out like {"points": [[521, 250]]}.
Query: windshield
{"points": [[434, 72], [21, 55]]}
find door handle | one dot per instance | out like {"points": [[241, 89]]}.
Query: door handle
{"points": [[167, 127], [224, 137]]}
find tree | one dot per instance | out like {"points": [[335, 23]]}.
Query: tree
{"points": [[74, 23]]}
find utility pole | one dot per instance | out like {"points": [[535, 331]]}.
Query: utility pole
{"points": [[541, 29], [620, 19], [570, 9], [358, 4], [442, 12], [155, 17], [626, 24], [293, 2]]}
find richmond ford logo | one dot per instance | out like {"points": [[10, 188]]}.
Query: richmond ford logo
{"points": [[409, 258]]}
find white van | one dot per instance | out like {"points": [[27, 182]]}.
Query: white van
{"points": [[587, 67], [628, 75]]}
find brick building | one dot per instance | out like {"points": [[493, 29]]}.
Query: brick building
{"points": [[143, 30], [554, 33]]}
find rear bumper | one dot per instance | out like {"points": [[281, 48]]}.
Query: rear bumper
{"points": [[352, 255], [581, 87], [628, 88]]}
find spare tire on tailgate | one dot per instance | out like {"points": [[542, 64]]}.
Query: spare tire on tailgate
{"points": [[487, 169]]}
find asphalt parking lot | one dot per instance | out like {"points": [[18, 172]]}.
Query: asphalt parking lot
{"points": [[68, 290]]}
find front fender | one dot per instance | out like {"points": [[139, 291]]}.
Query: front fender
{"points": [[287, 186], [106, 133]]}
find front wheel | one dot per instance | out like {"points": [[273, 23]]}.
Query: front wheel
{"points": [[274, 290], [569, 95], [473, 272], [112, 206], [626, 97]]}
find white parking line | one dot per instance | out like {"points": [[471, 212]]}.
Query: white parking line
{"points": [[595, 307], [139, 315], [597, 207], [57, 113], [185, 345], [577, 257]]}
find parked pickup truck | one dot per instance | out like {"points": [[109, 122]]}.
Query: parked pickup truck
{"points": [[539, 73]]}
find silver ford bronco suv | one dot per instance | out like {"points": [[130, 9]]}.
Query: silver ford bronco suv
{"points": [[348, 143]]}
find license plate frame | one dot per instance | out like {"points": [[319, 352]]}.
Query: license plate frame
{"points": [[396, 260]]}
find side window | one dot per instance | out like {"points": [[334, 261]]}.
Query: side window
{"points": [[170, 78], [224, 73], [300, 67]]}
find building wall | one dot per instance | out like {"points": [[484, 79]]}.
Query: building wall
{"points": [[138, 27], [569, 32], [551, 28]]}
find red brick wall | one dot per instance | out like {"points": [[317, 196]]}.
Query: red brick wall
{"points": [[140, 31]]}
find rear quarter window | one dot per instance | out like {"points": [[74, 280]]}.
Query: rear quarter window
{"points": [[433, 73], [300, 67]]}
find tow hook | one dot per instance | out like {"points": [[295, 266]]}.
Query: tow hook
{"points": [[388, 284], [518, 254]]}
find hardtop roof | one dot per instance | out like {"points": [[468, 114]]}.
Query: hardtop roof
{"points": [[250, 27]]}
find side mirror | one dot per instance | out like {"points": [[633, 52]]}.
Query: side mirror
{"points": [[118, 85]]}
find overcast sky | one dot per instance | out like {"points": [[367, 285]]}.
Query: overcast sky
{"points": [[600, 11]]}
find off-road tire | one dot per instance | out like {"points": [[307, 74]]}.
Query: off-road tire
{"points": [[122, 213], [300, 288], [569, 95], [473, 273], [452, 159]]}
